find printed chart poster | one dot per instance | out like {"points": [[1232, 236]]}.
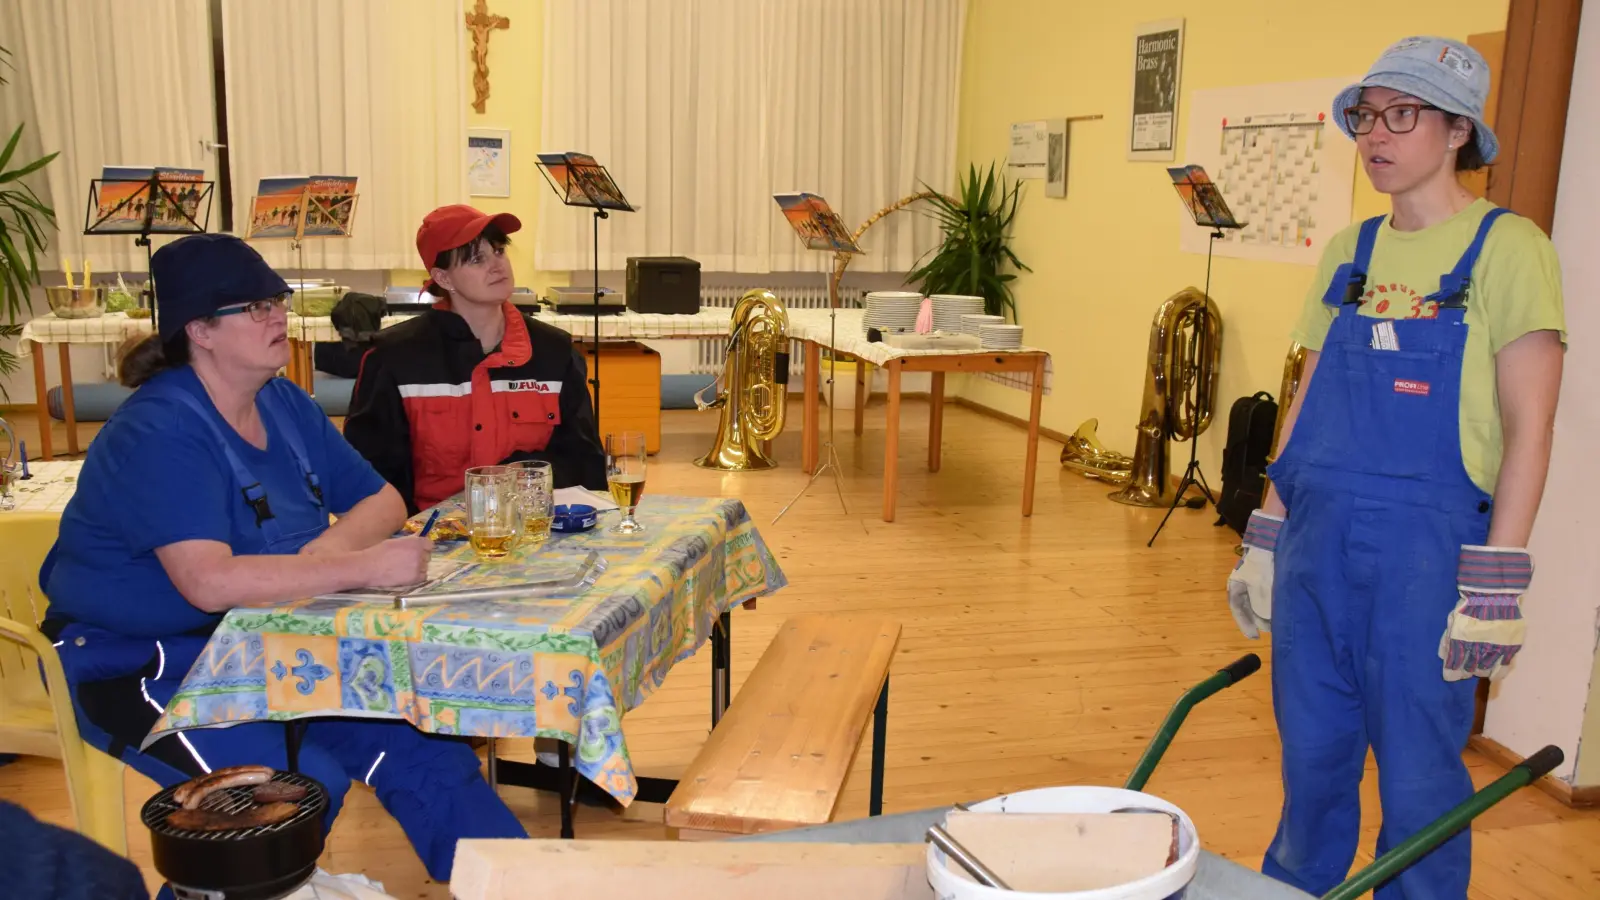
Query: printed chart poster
{"points": [[1157, 62], [1280, 163], [488, 162]]}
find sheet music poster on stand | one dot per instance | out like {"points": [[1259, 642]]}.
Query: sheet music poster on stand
{"points": [[294, 207], [146, 200], [1277, 152]]}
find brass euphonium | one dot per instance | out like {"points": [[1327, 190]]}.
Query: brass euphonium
{"points": [[1169, 411], [752, 390]]}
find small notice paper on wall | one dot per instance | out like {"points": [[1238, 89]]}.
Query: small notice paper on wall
{"points": [[1039, 150]]}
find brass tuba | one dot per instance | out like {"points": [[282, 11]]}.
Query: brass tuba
{"points": [[1174, 365], [752, 390], [1085, 454]]}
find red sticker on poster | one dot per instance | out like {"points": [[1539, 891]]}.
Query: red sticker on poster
{"points": [[1414, 388]]}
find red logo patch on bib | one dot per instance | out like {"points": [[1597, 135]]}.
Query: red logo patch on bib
{"points": [[1414, 388]]}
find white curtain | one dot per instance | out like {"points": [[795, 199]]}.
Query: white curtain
{"points": [[106, 82], [370, 88], [703, 109]]}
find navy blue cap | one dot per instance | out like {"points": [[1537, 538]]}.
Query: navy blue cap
{"points": [[197, 275]]}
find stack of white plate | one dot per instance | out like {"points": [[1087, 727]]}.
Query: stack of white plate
{"points": [[892, 311], [1000, 337], [949, 308], [970, 324]]}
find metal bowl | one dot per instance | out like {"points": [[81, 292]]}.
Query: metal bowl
{"points": [[76, 303]]}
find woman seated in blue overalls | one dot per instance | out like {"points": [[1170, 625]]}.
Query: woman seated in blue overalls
{"points": [[211, 489], [1410, 470]]}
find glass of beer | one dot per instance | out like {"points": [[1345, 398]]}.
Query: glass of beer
{"points": [[494, 518], [625, 465], [536, 497]]}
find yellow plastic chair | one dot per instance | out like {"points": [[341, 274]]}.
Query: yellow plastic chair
{"points": [[36, 722]]}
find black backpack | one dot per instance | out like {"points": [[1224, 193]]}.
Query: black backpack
{"points": [[1244, 459], [358, 317]]}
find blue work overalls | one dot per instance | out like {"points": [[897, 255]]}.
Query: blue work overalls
{"points": [[1379, 504], [432, 786]]}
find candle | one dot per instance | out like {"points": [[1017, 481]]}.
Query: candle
{"points": [[24, 454], [87, 285], [66, 269]]}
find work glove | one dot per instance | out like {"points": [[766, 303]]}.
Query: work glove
{"points": [[1250, 585], [1485, 630]]}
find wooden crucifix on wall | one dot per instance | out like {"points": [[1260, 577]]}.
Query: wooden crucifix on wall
{"points": [[481, 23]]}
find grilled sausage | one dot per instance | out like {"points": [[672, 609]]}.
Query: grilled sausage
{"points": [[190, 794], [279, 792], [217, 820]]}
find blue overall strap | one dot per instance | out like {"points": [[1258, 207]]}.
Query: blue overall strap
{"points": [[1452, 290], [255, 496], [268, 399], [1349, 280]]}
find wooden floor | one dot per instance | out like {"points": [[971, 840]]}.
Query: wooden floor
{"points": [[1035, 652]]}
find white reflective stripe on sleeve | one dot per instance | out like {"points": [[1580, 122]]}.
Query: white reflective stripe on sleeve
{"points": [[521, 386], [184, 739], [436, 390], [150, 700], [163, 667], [368, 780]]}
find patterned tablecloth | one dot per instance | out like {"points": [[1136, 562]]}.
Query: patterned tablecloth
{"points": [[52, 485], [559, 667]]}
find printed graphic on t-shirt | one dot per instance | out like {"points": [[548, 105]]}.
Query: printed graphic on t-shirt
{"points": [[1397, 301]]}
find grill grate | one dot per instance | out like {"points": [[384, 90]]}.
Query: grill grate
{"points": [[234, 800]]}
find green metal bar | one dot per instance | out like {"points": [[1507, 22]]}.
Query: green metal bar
{"points": [[1443, 828], [1239, 669]]}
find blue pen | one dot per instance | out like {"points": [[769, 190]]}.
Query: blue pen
{"points": [[429, 527]]}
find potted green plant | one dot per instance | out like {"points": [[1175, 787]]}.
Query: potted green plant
{"points": [[23, 220], [977, 227]]}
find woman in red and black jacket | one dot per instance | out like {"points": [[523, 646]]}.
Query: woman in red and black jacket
{"points": [[472, 382]]}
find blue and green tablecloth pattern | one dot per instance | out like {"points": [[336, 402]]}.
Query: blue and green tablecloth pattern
{"points": [[564, 667]]}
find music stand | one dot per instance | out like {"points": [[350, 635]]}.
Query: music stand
{"points": [[155, 209], [1204, 202], [331, 197], [581, 181], [819, 228]]}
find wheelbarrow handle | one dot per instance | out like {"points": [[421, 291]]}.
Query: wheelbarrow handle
{"points": [[1227, 676], [1445, 827]]}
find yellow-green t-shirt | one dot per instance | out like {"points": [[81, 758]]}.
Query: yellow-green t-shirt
{"points": [[1516, 289]]}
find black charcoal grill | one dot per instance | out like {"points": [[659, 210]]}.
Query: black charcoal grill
{"points": [[260, 863]]}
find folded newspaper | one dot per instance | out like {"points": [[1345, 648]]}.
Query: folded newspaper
{"points": [[452, 579]]}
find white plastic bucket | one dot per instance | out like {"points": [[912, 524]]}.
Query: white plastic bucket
{"points": [[953, 883]]}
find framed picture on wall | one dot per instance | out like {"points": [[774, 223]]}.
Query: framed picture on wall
{"points": [[1157, 64], [488, 162]]}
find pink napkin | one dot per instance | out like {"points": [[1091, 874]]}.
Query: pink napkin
{"points": [[925, 316]]}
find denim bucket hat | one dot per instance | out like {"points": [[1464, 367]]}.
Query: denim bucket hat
{"points": [[1439, 72]]}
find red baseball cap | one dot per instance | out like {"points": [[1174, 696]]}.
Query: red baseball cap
{"points": [[449, 227]]}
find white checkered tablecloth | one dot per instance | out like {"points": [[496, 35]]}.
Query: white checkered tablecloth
{"points": [[847, 337], [110, 328], [51, 486], [624, 326]]}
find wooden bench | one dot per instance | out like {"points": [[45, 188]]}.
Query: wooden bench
{"points": [[779, 757]]}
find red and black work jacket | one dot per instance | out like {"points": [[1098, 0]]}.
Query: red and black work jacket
{"points": [[430, 404]]}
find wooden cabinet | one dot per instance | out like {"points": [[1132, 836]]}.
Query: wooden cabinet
{"points": [[630, 389]]}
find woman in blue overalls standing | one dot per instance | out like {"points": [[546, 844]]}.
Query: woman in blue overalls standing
{"points": [[1390, 559], [210, 489]]}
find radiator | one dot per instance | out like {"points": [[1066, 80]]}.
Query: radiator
{"points": [[711, 354]]}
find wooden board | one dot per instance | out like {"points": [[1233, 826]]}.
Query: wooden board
{"points": [[630, 389], [1053, 853], [779, 757], [524, 870]]}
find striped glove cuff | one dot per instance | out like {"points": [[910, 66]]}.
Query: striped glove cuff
{"points": [[1494, 570], [1262, 531]]}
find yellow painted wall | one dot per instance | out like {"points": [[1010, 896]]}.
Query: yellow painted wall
{"points": [[1106, 256], [516, 81]]}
